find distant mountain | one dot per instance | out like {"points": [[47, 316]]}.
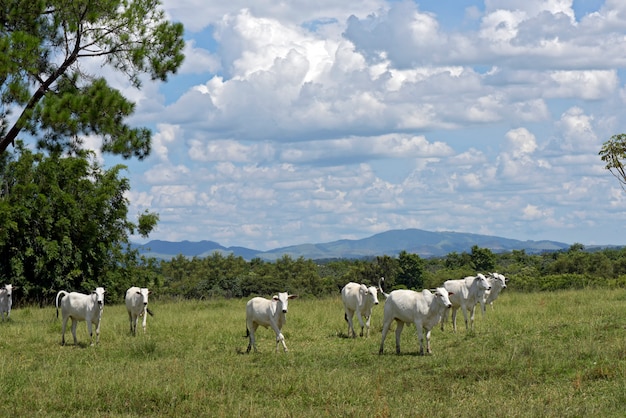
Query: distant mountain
{"points": [[414, 241]]}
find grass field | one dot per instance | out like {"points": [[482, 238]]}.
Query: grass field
{"points": [[560, 354]]}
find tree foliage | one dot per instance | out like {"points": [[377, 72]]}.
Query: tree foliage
{"points": [[63, 224], [44, 45], [575, 268], [613, 153]]}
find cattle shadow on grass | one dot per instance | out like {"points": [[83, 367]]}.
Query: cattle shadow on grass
{"points": [[81, 345], [343, 335]]}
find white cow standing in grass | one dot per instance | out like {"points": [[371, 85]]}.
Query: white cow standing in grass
{"points": [[467, 293], [359, 299], [6, 300], [137, 306], [81, 307], [424, 309], [267, 313], [497, 282]]}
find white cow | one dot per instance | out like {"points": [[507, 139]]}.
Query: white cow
{"points": [[424, 309], [360, 299], [137, 306], [267, 313], [467, 293], [497, 282], [81, 307], [6, 300]]}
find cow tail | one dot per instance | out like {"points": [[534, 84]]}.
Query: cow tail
{"points": [[149, 312], [247, 333], [345, 316], [61, 293], [380, 287]]}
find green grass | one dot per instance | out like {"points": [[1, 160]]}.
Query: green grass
{"points": [[560, 354]]}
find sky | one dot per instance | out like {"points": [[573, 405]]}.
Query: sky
{"points": [[299, 122]]}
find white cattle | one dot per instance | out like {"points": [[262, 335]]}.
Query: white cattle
{"points": [[360, 299], [424, 309], [497, 282], [467, 293], [267, 313], [137, 306], [81, 307], [6, 300]]}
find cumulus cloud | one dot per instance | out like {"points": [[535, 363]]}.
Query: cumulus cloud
{"points": [[308, 122]]}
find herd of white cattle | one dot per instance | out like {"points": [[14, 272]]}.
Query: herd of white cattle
{"points": [[80, 307], [424, 309]]}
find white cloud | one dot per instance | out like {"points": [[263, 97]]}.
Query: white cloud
{"points": [[307, 124]]}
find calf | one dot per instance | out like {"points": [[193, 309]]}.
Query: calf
{"points": [[360, 299], [467, 293], [497, 282], [267, 313], [137, 306], [424, 309], [6, 300], [81, 307]]}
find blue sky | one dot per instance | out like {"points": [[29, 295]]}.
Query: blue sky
{"points": [[303, 122]]}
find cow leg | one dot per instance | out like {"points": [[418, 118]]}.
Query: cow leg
{"points": [[145, 317], [74, 325], [464, 310], [90, 331], [367, 326], [399, 327], [280, 338], [455, 310], [349, 316], [98, 332], [386, 325], [63, 330], [420, 337], [360, 318], [444, 318], [251, 342], [472, 311], [130, 322], [428, 351]]}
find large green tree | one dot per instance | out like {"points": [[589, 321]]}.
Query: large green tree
{"points": [[411, 270], [64, 226], [44, 46]]}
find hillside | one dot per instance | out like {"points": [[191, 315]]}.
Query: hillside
{"points": [[416, 241]]}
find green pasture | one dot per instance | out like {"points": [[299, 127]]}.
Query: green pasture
{"points": [[549, 354]]}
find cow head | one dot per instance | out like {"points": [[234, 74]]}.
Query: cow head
{"points": [[372, 293], [282, 299], [443, 295], [144, 292], [498, 280], [99, 292], [9, 289], [482, 281]]}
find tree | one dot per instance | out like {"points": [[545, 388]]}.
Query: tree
{"points": [[63, 224], [411, 269], [42, 46], [482, 259], [613, 152]]}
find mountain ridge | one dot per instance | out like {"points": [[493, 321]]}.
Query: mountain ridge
{"points": [[416, 241]]}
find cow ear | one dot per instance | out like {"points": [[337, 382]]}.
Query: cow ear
{"points": [[292, 296], [274, 297], [450, 293]]}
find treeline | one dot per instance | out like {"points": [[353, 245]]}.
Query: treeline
{"points": [[233, 277]]}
